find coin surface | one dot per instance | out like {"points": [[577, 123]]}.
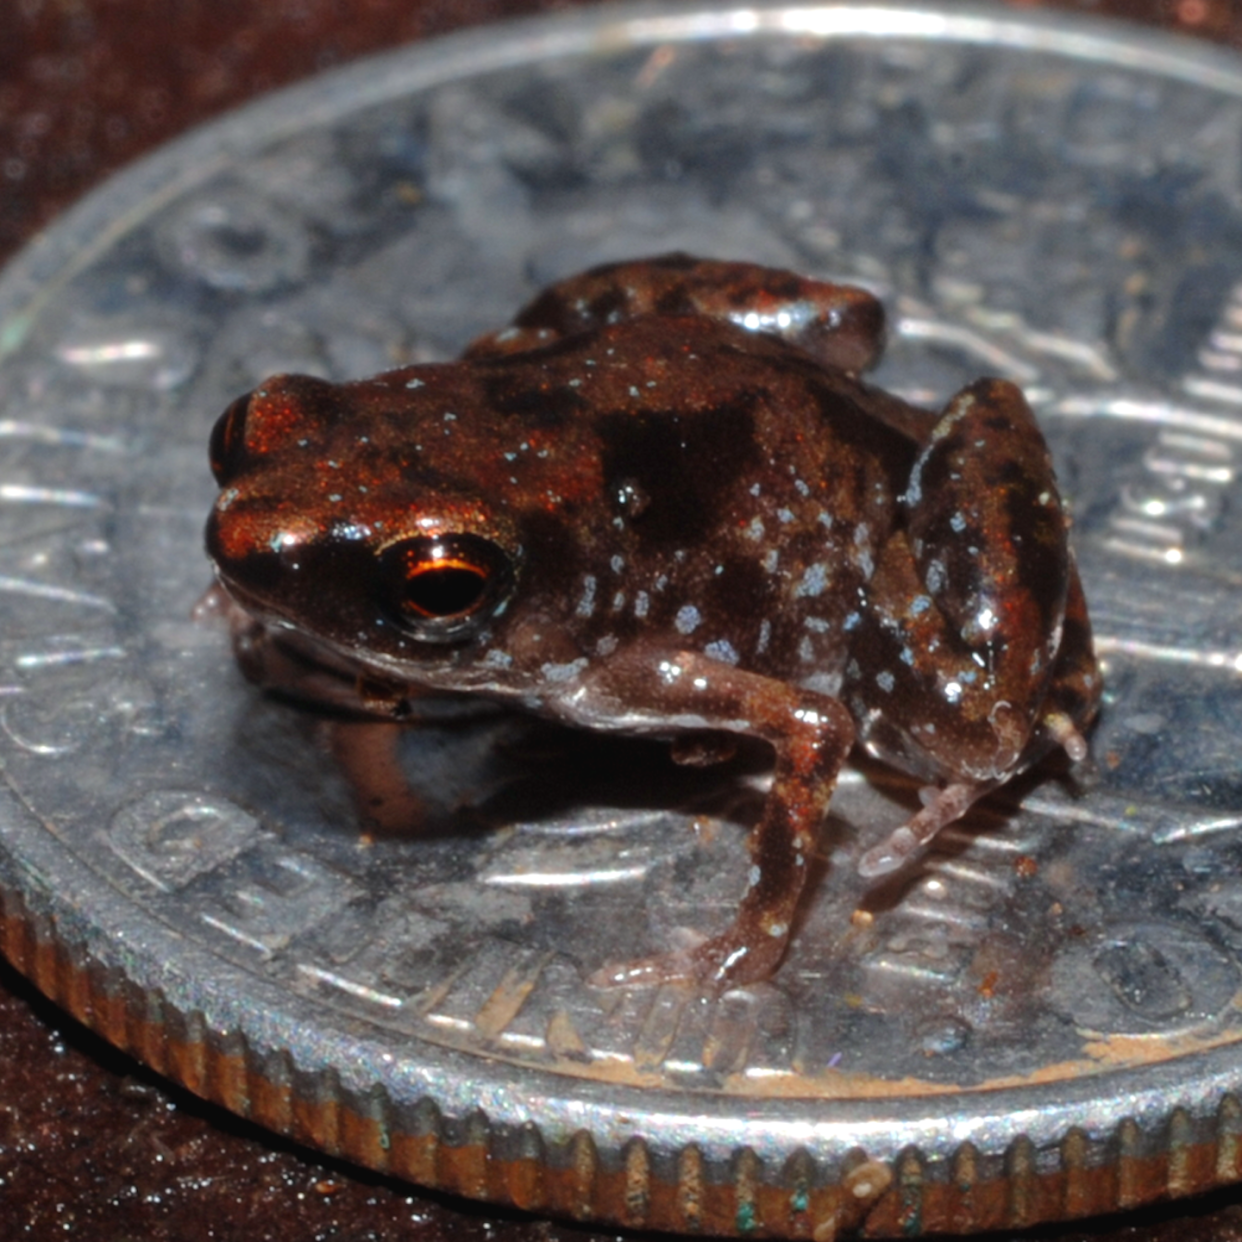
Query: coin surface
{"points": [[1040, 1021]]}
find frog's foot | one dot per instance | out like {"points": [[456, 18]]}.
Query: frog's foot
{"points": [[940, 808], [730, 960]]}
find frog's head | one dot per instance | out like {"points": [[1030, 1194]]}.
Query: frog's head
{"points": [[328, 525]]}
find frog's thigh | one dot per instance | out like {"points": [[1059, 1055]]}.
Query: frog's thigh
{"points": [[985, 522], [921, 700], [951, 665], [987, 535]]}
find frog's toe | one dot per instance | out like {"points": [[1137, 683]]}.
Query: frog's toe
{"points": [[732, 959], [645, 972], [941, 807], [889, 856], [1067, 735]]}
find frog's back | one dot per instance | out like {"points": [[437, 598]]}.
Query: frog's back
{"points": [[709, 483]]}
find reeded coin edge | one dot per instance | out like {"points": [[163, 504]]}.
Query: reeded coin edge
{"points": [[638, 1186]]}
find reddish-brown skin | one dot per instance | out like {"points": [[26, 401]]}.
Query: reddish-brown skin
{"points": [[663, 503]]}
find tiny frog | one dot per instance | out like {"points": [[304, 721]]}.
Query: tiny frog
{"points": [[663, 503]]}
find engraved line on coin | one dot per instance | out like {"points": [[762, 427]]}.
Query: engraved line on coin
{"points": [[61, 437], [359, 990], [124, 350], [23, 493], [58, 594], [67, 655], [939, 332], [90, 356], [1107, 644], [279, 894], [976, 337], [1145, 410], [1185, 622], [1162, 824], [1215, 390], [612, 849], [547, 877]]}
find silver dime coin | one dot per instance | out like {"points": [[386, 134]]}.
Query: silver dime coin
{"points": [[1039, 1021]]}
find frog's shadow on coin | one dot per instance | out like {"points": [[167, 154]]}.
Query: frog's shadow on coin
{"points": [[519, 770], [542, 772], [477, 775]]}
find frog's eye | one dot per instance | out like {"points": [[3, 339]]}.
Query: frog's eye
{"points": [[228, 438], [441, 588]]}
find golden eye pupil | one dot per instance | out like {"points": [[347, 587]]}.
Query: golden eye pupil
{"points": [[445, 588]]}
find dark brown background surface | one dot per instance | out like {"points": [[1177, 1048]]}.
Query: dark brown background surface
{"points": [[92, 1146]]}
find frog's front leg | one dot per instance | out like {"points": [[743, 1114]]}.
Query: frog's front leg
{"points": [[952, 665], [811, 735]]}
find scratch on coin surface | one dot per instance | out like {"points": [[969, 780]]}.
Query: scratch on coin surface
{"points": [[360, 990], [60, 437], [71, 498], [63, 595], [1137, 648]]}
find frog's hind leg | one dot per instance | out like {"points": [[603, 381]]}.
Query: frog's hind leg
{"points": [[953, 671], [1074, 695], [840, 325]]}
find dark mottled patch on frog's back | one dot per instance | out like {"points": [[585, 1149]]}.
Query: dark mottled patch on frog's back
{"points": [[537, 405], [891, 450], [684, 463], [420, 476], [555, 554], [742, 591], [675, 301]]}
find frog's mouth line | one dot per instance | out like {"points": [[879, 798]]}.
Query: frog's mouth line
{"points": [[348, 662]]}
